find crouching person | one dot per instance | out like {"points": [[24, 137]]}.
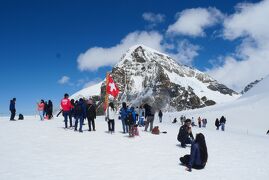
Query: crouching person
{"points": [[198, 157], [185, 134]]}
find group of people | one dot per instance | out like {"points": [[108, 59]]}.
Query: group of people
{"points": [[79, 110], [198, 156], [45, 109], [220, 123], [131, 118]]}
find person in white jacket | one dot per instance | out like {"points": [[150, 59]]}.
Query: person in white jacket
{"points": [[111, 115]]}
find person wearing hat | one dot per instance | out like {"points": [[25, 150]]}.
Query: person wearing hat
{"points": [[91, 114], [185, 135]]}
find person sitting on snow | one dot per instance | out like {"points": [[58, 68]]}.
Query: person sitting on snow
{"points": [[198, 156]]}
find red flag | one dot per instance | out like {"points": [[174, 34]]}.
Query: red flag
{"points": [[111, 87]]}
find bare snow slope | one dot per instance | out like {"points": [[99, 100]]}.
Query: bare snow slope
{"points": [[88, 91], [32, 149], [248, 114]]}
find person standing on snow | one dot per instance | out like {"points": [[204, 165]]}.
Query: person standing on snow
{"points": [[111, 115], [91, 114], [149, 115], [66, 107], [80, 114], [41, 108], [12, 108], [123, 116], [217, 124], [199, 122], [160, 116], [50, 109], [222, 122], [141, 116]]}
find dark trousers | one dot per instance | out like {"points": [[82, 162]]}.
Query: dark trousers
{"points": [[111, 125], [13, 113], [185, 161], [81, 121], [66, 114], [186, 141], [91, 123]]}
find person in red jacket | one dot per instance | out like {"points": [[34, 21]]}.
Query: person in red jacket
{"points": [[66, 107], [40, 108]]}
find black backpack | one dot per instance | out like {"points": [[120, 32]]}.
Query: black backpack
{"points": [[129, 119], [21, 117]]}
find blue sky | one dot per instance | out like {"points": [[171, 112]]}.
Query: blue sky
{"points": [[40, 42]]}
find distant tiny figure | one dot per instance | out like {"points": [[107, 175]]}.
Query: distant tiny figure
{"points": [[182, 120], [267, 132], [222, 123], [41, 108], [175, 120], [217, 124], [204, 121], [192, 122], [199, 122], [12, 108], [198, 156], [160, 116]]}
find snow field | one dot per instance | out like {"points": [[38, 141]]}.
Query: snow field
{"points": [[32, 149]]}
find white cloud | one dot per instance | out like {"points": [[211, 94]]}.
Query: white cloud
{"points": [[153, 19], [251, 58], [64, 80], [97, 57], [192, 22], [185, 52]]}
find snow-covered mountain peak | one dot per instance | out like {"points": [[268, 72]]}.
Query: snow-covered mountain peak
{"points": [[145, 75]]}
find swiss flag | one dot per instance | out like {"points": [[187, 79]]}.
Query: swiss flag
{"points": [[111, 87]]}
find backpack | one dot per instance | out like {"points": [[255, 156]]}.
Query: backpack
{"points": [[21, 117], [129, 118], [78, 109], [155, 130]]}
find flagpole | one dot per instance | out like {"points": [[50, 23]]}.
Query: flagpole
{"points": [[106, 97]]}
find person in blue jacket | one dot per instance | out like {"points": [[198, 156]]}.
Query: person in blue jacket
{"points": [[12, 109], [198, 157], [79, 113], [123, 117]]}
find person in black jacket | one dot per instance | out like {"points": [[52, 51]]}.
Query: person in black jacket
{"points": [[50, 109], [91, 114], [222, 122], [217, 123], [185, 135], [149, 116], [12, 109], [160, 115]]}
